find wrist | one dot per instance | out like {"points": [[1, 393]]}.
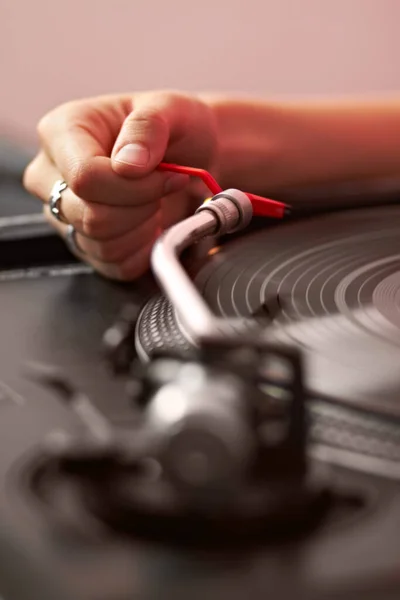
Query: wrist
{"points": [[251, 143]]}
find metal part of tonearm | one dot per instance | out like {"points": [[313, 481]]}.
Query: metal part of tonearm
{"points": [[227, 212]]}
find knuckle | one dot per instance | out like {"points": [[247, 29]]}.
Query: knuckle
{"points": [[111, 251], [62, 113], [130, 269], [127, 273], [127, 246], [95, 221], [80, 177], [149, 121]]}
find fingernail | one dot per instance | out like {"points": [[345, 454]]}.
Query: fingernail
{"points": [[175, 183], [133, 154]]}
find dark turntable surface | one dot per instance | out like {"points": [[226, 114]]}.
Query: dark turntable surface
{"points": [[329, 285], [332, 286]]}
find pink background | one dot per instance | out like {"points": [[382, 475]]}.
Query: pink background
{"points": [[52, 51]]}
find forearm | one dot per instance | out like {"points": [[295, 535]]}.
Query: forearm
{"points": [[270, 146]]}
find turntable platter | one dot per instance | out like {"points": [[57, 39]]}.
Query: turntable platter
{"points": [[337, 279]]}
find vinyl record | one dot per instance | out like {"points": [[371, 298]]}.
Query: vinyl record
{"points": [[334, 282]]}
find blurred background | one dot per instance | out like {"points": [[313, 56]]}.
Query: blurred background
{"points": [[53, 51]]}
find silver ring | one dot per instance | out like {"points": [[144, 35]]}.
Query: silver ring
{"points": [[55, 199], [71, 242]]}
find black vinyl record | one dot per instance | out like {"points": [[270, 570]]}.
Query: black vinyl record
{"points": [[334, 282]]}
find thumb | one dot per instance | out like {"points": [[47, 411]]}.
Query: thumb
{"points": [[142, 142]]}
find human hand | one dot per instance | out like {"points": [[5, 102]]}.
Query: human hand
{"points": [[107, 149]]}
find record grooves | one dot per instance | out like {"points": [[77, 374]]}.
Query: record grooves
{"points": [[337, 278]]}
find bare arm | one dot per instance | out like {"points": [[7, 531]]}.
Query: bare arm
{"points": [[273, 146]]}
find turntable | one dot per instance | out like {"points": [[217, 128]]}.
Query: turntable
{"points": [[230, 427]]}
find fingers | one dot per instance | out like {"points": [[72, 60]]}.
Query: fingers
{"points": [[123, 259], [96, 182], [94, 220], [107, 151], [117, 250], [116, 241], [77, 140]]}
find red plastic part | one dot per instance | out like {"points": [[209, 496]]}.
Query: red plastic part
{"points": [[262, 207]]}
